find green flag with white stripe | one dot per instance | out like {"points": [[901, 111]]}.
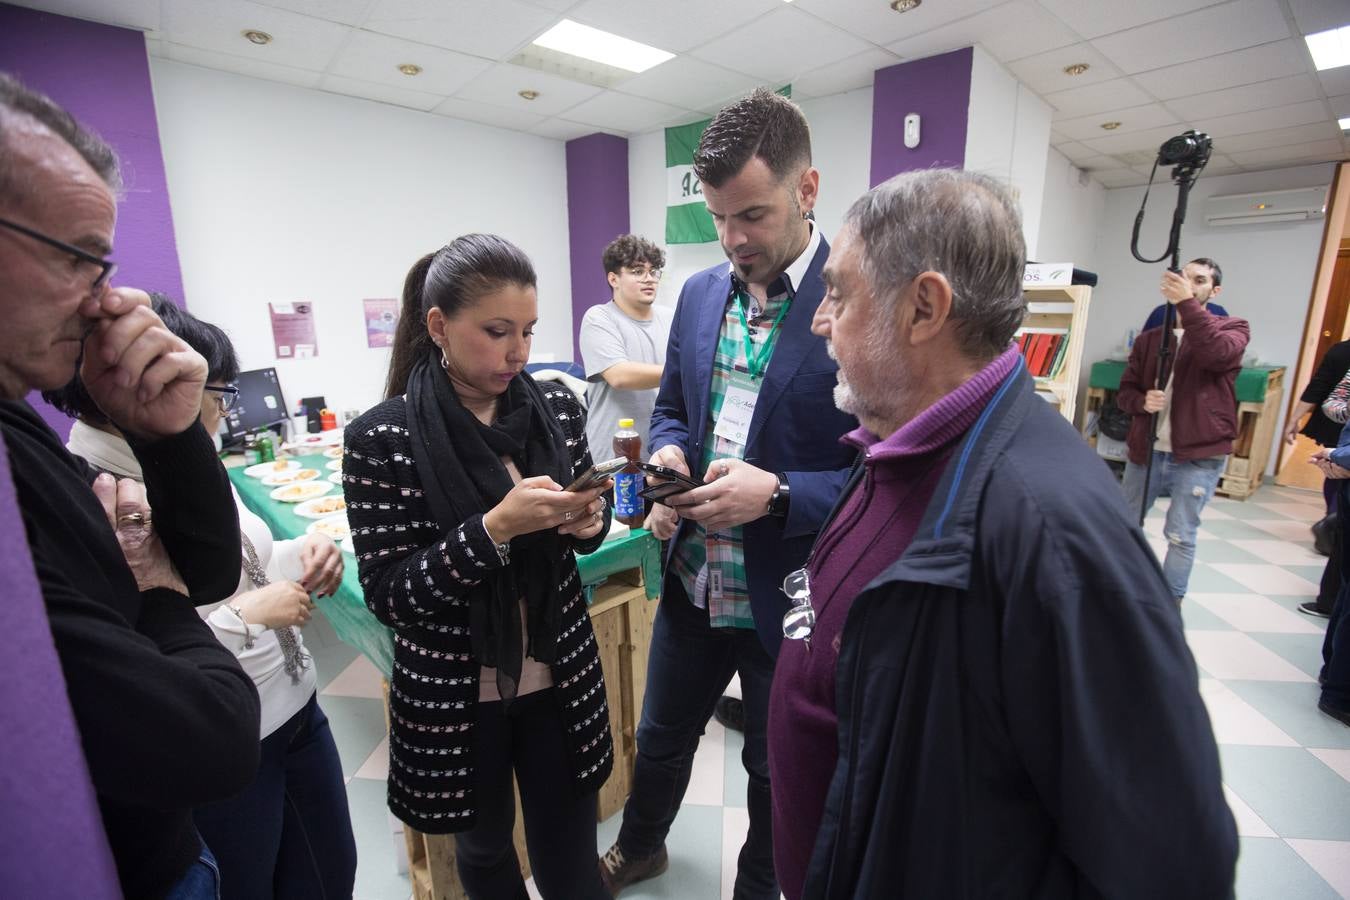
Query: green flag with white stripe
{"points": [[687, 219]]}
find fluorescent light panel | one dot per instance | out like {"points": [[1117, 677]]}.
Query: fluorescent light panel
{"points": [[1330, 49], [601, 46], [1345, 124]]}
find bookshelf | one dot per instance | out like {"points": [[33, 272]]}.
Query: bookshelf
{"points": [[1056, 312]]}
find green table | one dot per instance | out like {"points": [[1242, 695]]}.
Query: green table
{"points": [[347, 611], [1250, 386]]}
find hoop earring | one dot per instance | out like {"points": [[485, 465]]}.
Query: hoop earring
{"points": [[445, 361]]}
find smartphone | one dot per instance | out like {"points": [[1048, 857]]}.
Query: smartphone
{"points": [[596, 474], [674, 483]]}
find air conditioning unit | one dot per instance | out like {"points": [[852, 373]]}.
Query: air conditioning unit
{"points": [[1298, 205]]}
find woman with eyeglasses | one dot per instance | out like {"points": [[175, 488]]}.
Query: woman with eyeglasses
{"points": [[465, 539], [288, 835]]}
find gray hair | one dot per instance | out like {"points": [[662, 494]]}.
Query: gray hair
{"points": [[18, 102], [962, 224]]}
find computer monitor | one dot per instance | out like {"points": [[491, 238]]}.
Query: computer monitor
{"points": [[259, 404]]}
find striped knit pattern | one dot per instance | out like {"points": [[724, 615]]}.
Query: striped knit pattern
{"points": [[420, 582]]}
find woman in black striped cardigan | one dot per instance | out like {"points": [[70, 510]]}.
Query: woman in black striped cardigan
{"points": [[465, 539]]}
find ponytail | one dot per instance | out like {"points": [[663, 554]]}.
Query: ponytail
{"points": [[411, 341]]}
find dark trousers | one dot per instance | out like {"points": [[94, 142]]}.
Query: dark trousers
{"points": [[1331, 572], [529, 739], [289, 834], [1335, 674], [689, 665]]}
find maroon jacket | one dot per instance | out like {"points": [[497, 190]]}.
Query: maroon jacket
{"points": [[1204, 405]]}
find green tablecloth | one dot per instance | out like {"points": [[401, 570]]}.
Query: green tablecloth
{"points": [[1250, 387], [347, 611]]}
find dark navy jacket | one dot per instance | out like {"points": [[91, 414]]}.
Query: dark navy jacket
{"points": [[1019, 713], [795, 429]]}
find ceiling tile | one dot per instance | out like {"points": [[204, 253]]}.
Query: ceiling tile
{"points": [[689, 83], [626, 115], [845, 75], [763, 49], [1277, 59], [241, 65], [875, 21], [382, 93], [1118, 93], [676, 27], [1205, 32], [1094, 18], [348, 12], [142, 15], [1010, 31], [486, 114], [493, 29], [376, 57], [1335, 81], [501, 84], [1264, 119], [298, 41], [1318, 151], [1340, 106], [1313, 16], [563, 130], [1262, 95], [1278, 137], [1135, 118], [1044, 72], [1149, 140]]}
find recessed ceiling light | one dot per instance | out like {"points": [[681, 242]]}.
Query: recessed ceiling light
{"points": [[1345, 123], [529, 94], [258, 37], [1330, 49], [1110, 126], [601, 46], [903, 6], [410, 69], [1076, 69]]}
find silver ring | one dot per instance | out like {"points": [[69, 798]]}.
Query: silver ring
{"points": [[567, 516], [133, 518]]}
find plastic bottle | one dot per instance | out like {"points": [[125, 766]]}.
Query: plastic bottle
{"points": [[628, 507], [266, 450], [251, 455]]}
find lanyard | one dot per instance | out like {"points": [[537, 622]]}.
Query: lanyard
{"points": [[757, 362]]}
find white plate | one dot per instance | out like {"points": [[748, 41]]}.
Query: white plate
{"points": [[333, 453], [290, 476], [306, 490], [270, 468], [346, 544], [312, 442], [335, 527], [321, 507], [334, 465], [336, 478]]}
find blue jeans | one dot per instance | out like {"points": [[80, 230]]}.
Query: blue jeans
{"points": [[1191, 484], [200, 882], [689, 665], [289, 834]]}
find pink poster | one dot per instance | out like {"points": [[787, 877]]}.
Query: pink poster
{"points": [[381, 320], [293, 330]]}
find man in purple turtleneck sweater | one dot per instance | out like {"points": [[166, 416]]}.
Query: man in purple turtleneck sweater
{"points": [[986, 689]]}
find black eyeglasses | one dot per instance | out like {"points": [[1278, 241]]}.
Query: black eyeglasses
{"points": [[105, 267], [225, 396]]}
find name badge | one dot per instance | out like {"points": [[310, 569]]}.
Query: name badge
{"points": [[738, 408]]}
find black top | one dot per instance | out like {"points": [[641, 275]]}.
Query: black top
{"points": [[167, 719], [1329, 373]]}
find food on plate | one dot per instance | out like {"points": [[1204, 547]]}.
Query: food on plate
{"points": [[318, 509], [334, 465], [262, 470], [333, 453], [294, 493], [291, 476], [335, 527]]}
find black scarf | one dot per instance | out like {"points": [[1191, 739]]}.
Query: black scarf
{"points": [[459, 462]]}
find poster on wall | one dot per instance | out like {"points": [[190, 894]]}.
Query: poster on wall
{"points": [[293, 330], [381, 320], [687, 219]]}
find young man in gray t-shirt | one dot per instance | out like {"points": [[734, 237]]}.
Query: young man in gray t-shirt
{"points": [[623, 344]]}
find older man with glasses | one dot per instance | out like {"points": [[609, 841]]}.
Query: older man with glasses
{"points": [[168, 719], [985, 689]]}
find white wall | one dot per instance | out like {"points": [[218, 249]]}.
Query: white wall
{"points": [[1071, 215], [283, 194], [841, 148], [1267, 269]]}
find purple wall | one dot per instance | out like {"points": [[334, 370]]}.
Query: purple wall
{"points": [[51, 834], [938, 89], [597, 213], [102, 76]]}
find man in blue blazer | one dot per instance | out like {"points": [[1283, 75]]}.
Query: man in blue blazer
{"points": [[746, 406]]}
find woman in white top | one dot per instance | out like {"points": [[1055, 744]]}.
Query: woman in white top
{"points": [[289, 835]]}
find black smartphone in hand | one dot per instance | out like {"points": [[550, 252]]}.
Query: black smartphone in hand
{"points": [[672, 482], [596, 474]]}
